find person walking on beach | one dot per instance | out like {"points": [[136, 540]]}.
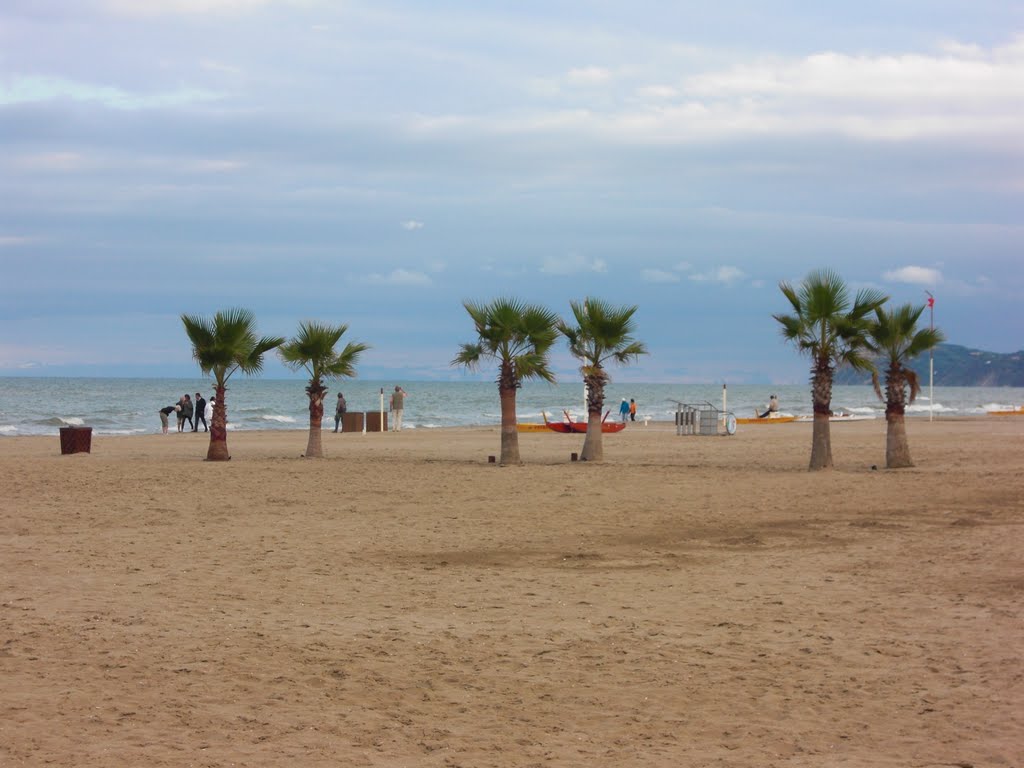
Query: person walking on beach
{"points": [[339, 412], [632, 409], [208, 411], [187, 409], [200, 414], [773, 407], [397, 406], [164, 413], [624, 410]]}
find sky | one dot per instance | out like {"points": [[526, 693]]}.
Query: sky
{"points": [[378, 163]]}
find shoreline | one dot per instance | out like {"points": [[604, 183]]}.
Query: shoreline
{"points": [[660, 424]]}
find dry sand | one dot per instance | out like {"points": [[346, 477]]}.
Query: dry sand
{"points": [[692, 601]]}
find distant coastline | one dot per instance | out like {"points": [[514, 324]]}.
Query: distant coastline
{"points": [[958, 366]]}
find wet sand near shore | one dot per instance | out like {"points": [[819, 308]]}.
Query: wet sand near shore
{"points": [[696, 601]]}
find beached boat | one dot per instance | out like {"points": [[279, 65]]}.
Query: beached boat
{"points": [[529, 427], [841, 417], [580, 427], [775, 418], [1018, 411]]}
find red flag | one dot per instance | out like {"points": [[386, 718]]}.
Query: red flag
{"points": [[931, 301]]}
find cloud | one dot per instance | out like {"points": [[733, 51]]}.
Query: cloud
{"points": [[914, 275], [589, 76], [170, 7], [954, 92], [51, 161], [212, 65], [659, 276], [411, 225], [723, 274], [218, 166], [964, 90], [664, 275], [399, 277], [657, 92], [572, 264], [24, 90]]}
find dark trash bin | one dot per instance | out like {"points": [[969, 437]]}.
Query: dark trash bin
{"points": [[352, 421], [75, 440], [373, 421]]}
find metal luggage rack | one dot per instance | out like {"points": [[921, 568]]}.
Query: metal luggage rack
{"points": [[703, 419]]}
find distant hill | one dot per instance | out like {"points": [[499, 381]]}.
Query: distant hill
{"points": [[957, 366]]}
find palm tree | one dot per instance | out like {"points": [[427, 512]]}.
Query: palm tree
{"points": [[830, 330], [221, 345], [314, 350], [519, 336], [603, 333], [898, 340]]}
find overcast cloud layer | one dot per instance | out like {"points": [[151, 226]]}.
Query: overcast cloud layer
{"points": [[377, 163]]}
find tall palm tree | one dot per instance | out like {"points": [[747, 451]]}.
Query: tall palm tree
{"points": [[896, 336], [603, 333], [313, 349], [518, 336], [832, 331], [221, 345]]}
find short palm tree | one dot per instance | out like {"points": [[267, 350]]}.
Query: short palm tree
{"points": [[314, 349], [832, 331], [603, 333], [518, 336], [898, 340], [221, 345]]}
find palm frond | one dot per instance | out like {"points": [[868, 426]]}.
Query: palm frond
{"points": [[515, 334], [913, 381]]}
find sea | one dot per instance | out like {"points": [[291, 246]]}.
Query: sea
{"points": [[127, 406]]}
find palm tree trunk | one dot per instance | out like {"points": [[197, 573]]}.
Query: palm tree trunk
{"points": [[897, 449], [218, 450], [314, 446], [821, 397], [593, 443], [821, 443], [509, 429]]}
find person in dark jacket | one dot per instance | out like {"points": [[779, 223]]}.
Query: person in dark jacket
{"points": [[185, 414], [200, 413], [339, 412]]}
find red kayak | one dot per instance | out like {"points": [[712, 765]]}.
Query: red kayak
{"points": [[580, 427]]}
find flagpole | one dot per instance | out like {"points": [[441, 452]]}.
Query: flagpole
{"points": [[931, 359]]}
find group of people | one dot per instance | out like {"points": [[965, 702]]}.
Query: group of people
{"points": [[189, 412], [628, 410], [396, 406]]}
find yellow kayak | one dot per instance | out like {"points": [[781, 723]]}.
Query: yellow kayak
{"points": [[532, 427], [768, 420]]}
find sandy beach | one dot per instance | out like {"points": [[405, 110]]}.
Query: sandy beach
{"points": [[691, 601]]}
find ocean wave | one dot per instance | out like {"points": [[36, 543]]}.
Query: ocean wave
{"points": [[8, 430], [936, 407], [865, 409], [989, 407], [61, 421], [275, 417]]}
